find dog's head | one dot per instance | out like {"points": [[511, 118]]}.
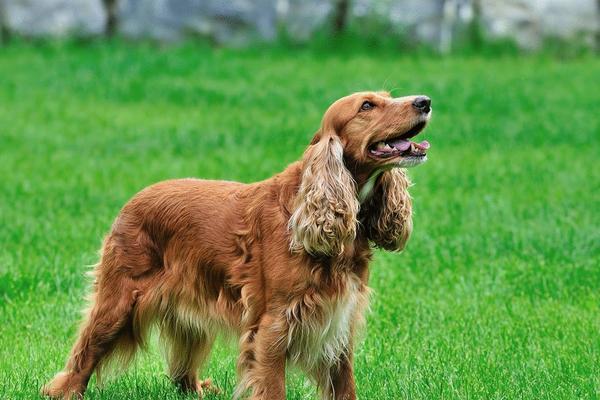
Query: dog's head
{"points": [[360, 136], [375, 129]]}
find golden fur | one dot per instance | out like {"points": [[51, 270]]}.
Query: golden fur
{"points": [[282, 264]]}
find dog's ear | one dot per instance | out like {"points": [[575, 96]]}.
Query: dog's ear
{"points": [[387, 214], [324, 217]]}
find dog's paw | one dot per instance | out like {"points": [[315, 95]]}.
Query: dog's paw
{"points": [[206, 386], [63, 386]]}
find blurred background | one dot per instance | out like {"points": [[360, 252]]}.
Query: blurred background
{"points": [[497, 295], [440, 24]]}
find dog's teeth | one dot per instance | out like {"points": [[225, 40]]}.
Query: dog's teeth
{"points": [[388, 147]]}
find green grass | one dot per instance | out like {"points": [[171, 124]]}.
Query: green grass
{"points": [[497, 295]]}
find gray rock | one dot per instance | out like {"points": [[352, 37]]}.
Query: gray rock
{"points": [[529, 22], [233, 21], [568, 18], [418, 19], [301, 18], [54, 17], [512, 19]]}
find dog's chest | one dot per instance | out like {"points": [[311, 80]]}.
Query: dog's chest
{"points": [[321, 326]]}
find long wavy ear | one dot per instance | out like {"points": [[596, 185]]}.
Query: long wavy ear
{"points": [[387, 214], [326, 206]]}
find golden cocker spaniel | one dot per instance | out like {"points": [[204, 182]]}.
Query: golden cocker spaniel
{"points": [[282, 263]]}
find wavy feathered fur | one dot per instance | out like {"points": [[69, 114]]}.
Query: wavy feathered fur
{"points": [[325, 209], [282, 264], [387, 214]]}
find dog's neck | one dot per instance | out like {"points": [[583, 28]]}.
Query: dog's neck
{"points": [[365, 188], [365, 180]]}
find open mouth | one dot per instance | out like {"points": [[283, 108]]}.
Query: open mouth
{"points": [[400, 145]]}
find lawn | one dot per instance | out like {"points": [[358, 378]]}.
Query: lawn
{"points": [[497, 295]]}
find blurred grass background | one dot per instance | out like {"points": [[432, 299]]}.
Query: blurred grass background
{"points": [[498, 293]]}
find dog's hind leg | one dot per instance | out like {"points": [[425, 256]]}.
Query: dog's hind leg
{"points": [[187, 350], [108, 325]]}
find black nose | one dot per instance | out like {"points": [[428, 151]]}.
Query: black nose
{"points": [[422, 103]]}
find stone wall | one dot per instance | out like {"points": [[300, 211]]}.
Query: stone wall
{"points": [[53, 17], [239, 21], [231, 21], [529, 21]]}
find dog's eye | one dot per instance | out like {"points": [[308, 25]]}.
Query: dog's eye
{"points": [[366, 106]]}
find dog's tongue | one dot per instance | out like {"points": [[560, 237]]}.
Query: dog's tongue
{"points": [[403, 144], [400, 144]]}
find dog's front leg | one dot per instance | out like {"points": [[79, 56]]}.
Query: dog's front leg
{"points": [[263, 358], [342, 379]]}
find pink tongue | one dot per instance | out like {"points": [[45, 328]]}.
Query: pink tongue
{"points": [[403, 144], [400, 144]]}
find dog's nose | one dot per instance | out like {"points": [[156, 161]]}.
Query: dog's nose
{"points": [[422, 103]]}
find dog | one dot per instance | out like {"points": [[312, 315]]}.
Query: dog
{"points": [[281, 264]]}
